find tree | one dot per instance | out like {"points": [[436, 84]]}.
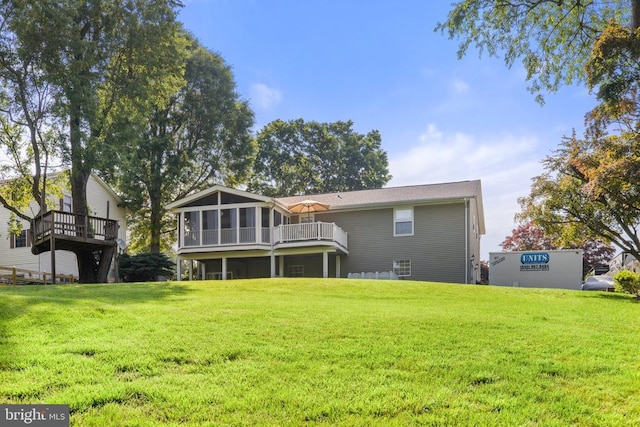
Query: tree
{"points": [[201, 137], [589, 188], [590, 184], [29, 131], [100, 66], [527, 237], [553, 38], [145, 267], [299, 157], [530, 237]]}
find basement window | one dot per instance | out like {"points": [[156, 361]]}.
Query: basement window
{"points": [[402, 267]]}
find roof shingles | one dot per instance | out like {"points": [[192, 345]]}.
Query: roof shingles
{"points": [[393, 195]]}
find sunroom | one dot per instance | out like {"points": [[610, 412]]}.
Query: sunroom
{"points": [[226, 224]]}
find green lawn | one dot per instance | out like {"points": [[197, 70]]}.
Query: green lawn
{"points": [[322, 352]]}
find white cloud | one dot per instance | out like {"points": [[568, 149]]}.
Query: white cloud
{"points": [[459, 86], [505, 164], [264, 96]]}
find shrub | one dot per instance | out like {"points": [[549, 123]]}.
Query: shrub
{"points": [[145, 267], [627, 281]]}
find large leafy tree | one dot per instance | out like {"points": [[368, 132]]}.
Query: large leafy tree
{"points": [[590, 189], [201, 137], [530, 237], [298, 157], [97, 67], [552, 38], [590, 184]]}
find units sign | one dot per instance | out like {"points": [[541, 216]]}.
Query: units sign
{"points": [[534, 261]]}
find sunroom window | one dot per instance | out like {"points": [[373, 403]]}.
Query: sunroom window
{"points": [[191, 228]]}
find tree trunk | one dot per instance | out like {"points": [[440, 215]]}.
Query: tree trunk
{"points": [[635, 14], [155, 223], [87, 262], [155, 187]]}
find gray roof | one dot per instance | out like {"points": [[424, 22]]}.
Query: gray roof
{"points": [[392, 195], [414, 194]]}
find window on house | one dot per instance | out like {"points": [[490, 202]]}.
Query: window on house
{"points": [[296, 270], [306, 218], [210, 227], [228, 226], [247, 225], [402, 267], [67, 205], [266, 232], [403, 222], [19, 240], [191, 228]]}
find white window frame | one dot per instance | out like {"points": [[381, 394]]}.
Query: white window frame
{"points": [[67, 203], [402, 267], [396, 211]]}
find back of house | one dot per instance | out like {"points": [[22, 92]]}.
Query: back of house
{"points": [[424, 232]]}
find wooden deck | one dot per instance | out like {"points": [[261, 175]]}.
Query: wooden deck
{"points": [[67, 231]]}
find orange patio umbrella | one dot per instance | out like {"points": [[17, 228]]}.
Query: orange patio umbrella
{"points": [[308, 206]]}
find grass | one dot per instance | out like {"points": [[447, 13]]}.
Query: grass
{"points": [[321, 352]]}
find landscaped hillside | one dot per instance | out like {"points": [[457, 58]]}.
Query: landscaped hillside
{"points": [[322, 351]]}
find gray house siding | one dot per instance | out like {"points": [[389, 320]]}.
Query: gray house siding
{"points": [[448, 221], [436, 249]]}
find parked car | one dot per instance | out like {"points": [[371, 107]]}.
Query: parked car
{"points": [[598, 283]]}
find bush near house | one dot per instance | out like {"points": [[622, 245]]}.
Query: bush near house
{"points": [[145, 267], [627, 281]]}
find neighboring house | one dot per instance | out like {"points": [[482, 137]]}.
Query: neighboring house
{"points": [[16, 251], [421, 232], [623, 261]]}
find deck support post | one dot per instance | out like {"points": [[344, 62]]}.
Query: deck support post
{"points": [[52, 247], [325, 264], [273, 264]]}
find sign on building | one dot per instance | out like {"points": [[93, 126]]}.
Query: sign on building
{"points": [[537, 269]]}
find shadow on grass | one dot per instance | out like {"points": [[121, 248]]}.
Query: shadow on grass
{"points": [[113, 293], [24, 300], [613, 296]]}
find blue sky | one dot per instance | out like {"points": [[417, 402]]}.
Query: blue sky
{"points": [[381, 65]]}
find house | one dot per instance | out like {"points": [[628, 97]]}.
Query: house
{"points": [[421, 232], [16, 250], [623, 261]]}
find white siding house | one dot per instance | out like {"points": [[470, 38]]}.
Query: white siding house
{"points": [[15, 251]]}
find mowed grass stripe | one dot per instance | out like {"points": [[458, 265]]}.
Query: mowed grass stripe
{"points": [[321, 352]]}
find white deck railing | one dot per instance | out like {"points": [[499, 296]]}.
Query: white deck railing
{"points": [[286, 233], [309, 231]]}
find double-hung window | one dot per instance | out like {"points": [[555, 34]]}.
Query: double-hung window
{"points": [[403, 222], [19, 240]]}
